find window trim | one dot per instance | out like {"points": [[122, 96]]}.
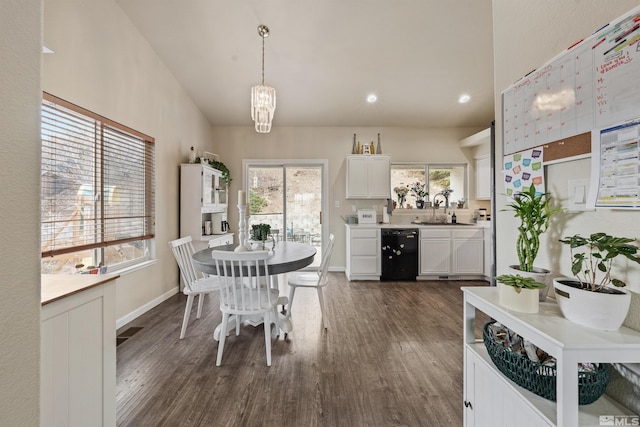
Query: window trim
{"points": [[147, 147]]}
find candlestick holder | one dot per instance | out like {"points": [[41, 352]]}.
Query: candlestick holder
{"points": [[242, 230]]}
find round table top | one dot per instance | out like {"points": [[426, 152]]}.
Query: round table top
{"points": [[287, 256]]}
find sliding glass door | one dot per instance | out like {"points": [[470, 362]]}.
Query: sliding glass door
{"points": [[290, 197]]}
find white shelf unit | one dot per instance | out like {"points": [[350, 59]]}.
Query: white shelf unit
{"points": [[568, 342], [203, 193]]}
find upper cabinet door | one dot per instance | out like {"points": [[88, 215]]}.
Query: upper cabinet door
{"points": [[368, 177], [379, 177], [483, 178]]}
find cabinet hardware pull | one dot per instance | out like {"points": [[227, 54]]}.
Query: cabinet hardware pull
{"points": [[467, 404]]}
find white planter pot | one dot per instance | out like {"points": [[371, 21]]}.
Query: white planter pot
{"points": [[592, 309], [539, 274], [526, 301]]}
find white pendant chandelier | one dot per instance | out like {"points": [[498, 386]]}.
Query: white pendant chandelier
{"points": [[263, 98]]}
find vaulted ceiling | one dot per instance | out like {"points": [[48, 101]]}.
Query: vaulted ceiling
{"points": [[324, 57]]}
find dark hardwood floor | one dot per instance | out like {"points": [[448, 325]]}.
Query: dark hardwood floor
{"points": [[392, 357]]}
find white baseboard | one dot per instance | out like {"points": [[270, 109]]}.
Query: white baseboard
{"points": [[143, 309]]}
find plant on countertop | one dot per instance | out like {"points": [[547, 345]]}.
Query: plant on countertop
{"points": [[518, 282], [535, 212], [226, 175], [401, 192], [419, 190], [595, 261]]}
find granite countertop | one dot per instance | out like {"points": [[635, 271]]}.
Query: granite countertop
{"points": [[58, 286]]}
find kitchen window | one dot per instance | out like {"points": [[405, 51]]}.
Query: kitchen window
{"points": [[97, 191], [438, 177]]}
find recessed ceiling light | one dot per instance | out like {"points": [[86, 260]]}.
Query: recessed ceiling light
{"points": [[464, 98], [371, 98]]}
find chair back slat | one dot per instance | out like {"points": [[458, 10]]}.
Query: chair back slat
{"points": [[244, 280], [183, 251], [324, 264]]}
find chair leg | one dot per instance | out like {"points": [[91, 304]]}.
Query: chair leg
{"points": [[322, 309], [238, 322], [292, 292], [200, 303], [223, 336], [187, 312], [267, 335]]}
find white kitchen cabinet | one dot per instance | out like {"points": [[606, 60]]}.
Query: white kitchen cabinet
{"points": [[203, 197], [452, 251], [363, 252], [435, 251], [368, 177], [78, 354], [488, 393], [489, 399], [468, 251], [483, 178]]}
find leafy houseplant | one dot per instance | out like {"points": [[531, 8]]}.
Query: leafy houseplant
{"points": [[226, 175], [535, 211], [519, 293], [589, 301], [419, 191], [597, 259]]}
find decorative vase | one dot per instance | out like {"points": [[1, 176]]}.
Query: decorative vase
{"points": [[539, 275], [597, 310], [379, 149], [419, 204], [525, 301]]}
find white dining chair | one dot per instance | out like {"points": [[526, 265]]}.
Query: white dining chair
{"points": [[246, 290], [312, 279], [195, 282]]}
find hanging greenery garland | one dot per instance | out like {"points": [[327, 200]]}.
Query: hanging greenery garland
{"points": [[226, 175]]}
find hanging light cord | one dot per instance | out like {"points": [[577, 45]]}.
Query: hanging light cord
{"points": [[263, 60]]}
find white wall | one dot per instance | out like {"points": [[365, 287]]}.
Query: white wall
{"points": [[526, 36], [20, 47], [102, 63], [334, 144]]}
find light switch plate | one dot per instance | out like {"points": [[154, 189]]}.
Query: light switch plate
{"points": [[579, 195]]}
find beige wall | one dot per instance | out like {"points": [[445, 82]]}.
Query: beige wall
{"points": [[20, 47], [102, 63], [334, 144], [526, 36]]}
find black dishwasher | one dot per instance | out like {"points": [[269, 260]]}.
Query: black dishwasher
{"points": [[399, 254]]}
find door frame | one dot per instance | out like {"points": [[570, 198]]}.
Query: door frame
{"points": [[324, 191]]}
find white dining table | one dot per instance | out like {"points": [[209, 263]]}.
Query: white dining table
{"points": [[286, 257]]}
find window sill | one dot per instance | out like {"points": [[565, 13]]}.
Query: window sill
{"points": [[132, 268]]}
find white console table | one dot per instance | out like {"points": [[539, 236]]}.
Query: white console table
{"points": [[568, 342]]}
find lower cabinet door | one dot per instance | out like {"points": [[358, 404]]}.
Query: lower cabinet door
{"points": [[365, 265], [435, 256], [490, 401]]}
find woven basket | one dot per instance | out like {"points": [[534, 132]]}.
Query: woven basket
{"points": [[541, 379]]}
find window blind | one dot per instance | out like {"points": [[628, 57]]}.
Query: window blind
{"points": [[97, 180]]}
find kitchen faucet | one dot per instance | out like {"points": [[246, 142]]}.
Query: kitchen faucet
{"points": [[446, 202]]}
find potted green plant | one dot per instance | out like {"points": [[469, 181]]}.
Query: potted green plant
{"points": [[419, 191], [535, 211], [589, 300], [519, 293]]}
